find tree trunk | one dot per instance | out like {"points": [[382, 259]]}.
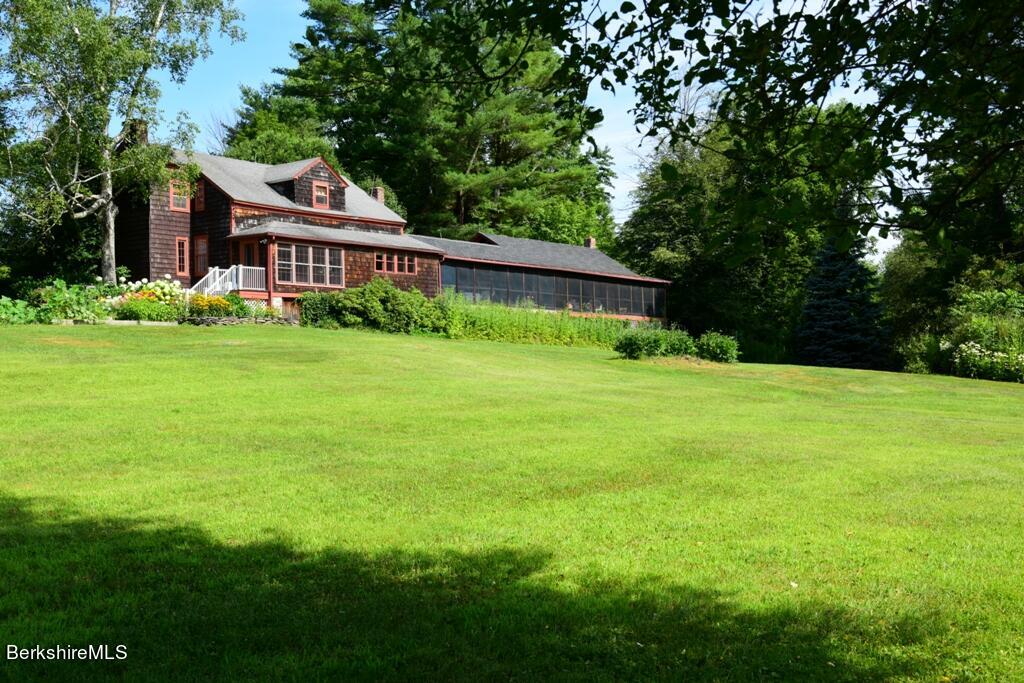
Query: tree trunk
{"points": [[108, 264]]}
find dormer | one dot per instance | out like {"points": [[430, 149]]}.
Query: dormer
{"points": [[310, 183]]}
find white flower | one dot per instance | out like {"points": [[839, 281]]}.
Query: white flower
{"points": [[122, 279], [167, 276], [144, 281], [99, 279], [178, 283]]}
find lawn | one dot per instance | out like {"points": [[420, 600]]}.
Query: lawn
{"points": [[302, 504]]}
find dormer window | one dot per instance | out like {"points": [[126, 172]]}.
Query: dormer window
{"points": [[321, 196], [179, 196]]}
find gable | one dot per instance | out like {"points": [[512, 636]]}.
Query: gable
{"points": [[315, 180]]}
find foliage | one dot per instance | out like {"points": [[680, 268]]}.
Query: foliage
{"points": [[677, 232], [986, 334], [461, 155], [75, 71], [841, 323], [148, 309], [378, 305], [525, 325], [16, 312], [940, 79], [718, 347], [647, 342], [272, 128], [60, 301], [204, 305]]}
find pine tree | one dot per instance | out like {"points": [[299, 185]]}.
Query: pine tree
{"points": [[842, 319]]}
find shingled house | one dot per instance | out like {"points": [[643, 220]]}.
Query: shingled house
{"points": [[271, 232]]}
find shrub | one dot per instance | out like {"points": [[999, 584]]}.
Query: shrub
{"points": [[986, 334], [641, 343], [718, 347], [16, 312], [144, 309], [239, 308], [378, 305], [75, 302], [216, 306], [679, 343]]}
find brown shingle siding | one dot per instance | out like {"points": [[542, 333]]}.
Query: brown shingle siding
{"points": [[165, 226], [215, 223], [319, 173]]}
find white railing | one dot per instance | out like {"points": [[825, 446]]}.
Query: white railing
{"points": [[251, 278], [224, 280]]}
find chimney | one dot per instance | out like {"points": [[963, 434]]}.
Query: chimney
{"points": [[590, 242], [378, 194]]}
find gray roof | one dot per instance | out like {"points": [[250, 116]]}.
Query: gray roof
{"points": [[341, 235], [246, 181], [283, 172], [553, 255]]}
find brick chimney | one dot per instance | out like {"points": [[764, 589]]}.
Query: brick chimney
{"points": [[590, 242], [378, 194]]}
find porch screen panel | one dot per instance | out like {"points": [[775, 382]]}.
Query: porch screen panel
{"points": [[574, 298], [499, 285], [637, 307], [465, 281], [284, 263], [483, 284], [531, 288], [547, 291], [625, 298], [319, 266], [449, 278], [600, 296], [659, 302]]}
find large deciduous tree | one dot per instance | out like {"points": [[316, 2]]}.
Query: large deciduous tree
{"points": [[79, 90]]}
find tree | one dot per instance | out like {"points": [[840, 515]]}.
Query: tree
{"points": [[462, 156], [79, 93], [272, 128], [841, 325], [689, 226], [942, 82]]}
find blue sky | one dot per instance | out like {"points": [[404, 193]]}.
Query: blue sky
{"points": [[272, 26]]}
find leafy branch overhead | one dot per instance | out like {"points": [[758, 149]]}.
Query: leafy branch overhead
{"points": [[938, 86], [79, 90]]}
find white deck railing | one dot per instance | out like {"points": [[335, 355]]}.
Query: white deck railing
{"points": [[224, 280]]}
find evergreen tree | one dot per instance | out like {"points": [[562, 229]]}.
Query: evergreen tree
{"points": [[842, 318], [461, 154]]}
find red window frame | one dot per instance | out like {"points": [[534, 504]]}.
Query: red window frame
{"points": [[200, 199], [291, 262], [327, 195], [201, 254], [402, 264], [179, 190], [181, 255]]}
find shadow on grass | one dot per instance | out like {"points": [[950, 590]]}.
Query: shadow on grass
{"points": [[190, 607]]}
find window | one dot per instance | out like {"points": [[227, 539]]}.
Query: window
{"points": [[321, 196], [394, 263], [250, 254], [284, 263], [300, 264], [335, 268], [319, 266], [201, 255], [181, 251], [179, 196], [448, 276], [200, 198]]}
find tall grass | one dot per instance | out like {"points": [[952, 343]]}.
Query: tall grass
{"points": [[495, 322]]}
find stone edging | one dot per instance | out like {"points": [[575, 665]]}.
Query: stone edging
{"points": [[207, 321]]}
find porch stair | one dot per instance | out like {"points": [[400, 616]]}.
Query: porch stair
{"points": [[218, 281]]}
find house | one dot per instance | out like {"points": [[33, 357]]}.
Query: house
{"points": [[272, 232]]}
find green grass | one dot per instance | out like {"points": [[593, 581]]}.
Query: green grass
{"points": [[303, 504]]}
